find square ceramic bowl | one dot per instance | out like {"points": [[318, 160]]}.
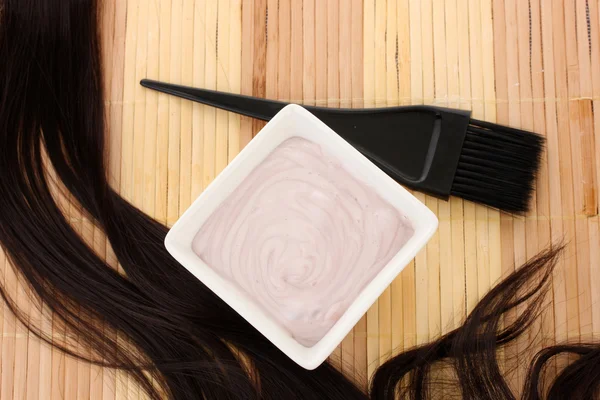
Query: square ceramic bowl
{"points": [[295, 121]]}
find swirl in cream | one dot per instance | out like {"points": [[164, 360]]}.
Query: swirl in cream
{"points": [[302, 237]]}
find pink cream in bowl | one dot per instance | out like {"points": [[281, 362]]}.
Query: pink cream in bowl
{"points": [[302, 237]]}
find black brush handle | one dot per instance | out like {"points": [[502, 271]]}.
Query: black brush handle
{"points": [[246, 105], [406, 142]]}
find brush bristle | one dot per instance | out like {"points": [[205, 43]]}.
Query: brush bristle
{"points": [[498, 166]]}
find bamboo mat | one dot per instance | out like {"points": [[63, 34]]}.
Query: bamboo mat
{"points": [[533, 64]]}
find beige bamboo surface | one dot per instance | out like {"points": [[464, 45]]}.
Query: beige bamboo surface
{"points": [[533, 64]]}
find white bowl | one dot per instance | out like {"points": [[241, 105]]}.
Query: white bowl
{"points": [[291, 121]]}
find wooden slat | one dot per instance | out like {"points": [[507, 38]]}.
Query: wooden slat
{"points": [[235, 74], [222, 60], [174, 125], [272, 55], [296, 47], [148, 182], [45, 361], [33, 366], [162, 124], [7, 363], [21, 342], [3, 311], [284, 67], [139, 105], [259, 47], [308, 52], [198, 110], [186, 133], [247, 58]]}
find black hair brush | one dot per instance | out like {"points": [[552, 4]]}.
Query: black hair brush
{"points": [[439, 151]]}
